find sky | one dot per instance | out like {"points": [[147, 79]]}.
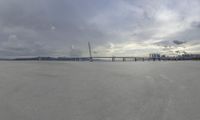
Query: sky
{"points": [[113, 27]]}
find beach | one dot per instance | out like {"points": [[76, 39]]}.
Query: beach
{"points": [[52, 90]]}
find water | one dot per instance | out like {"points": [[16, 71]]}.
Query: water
{"points": [[99, 91]]}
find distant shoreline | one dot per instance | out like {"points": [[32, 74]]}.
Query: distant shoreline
{"points": [[102, 59]]}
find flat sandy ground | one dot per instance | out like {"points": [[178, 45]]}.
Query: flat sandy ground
{"points": [[99, 90]]}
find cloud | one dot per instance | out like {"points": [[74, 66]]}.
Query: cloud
{"points": [[15, 47], [178, 42], [196, 24], [49, 27], [75, 52]]}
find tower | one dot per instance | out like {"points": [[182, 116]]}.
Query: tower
{"points": [[90, 52]]}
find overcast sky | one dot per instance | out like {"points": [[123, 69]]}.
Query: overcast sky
{"points": [[113, 27]]}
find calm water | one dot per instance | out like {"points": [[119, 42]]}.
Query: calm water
{"points": [[99, 91]]}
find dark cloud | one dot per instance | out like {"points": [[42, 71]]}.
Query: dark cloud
{"points": [[187, 35], [168, 44], [178, 42], [28, 49], [195, 24], [165, 43]]}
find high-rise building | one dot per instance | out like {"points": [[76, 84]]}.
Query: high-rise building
{"points": [[154, 55]]}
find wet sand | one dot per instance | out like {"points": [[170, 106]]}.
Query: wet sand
{"points": [[34, 90]]}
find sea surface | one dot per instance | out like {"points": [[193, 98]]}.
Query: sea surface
{"points": [[39, 90]]}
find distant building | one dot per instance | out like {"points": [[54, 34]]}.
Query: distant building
{"points": [[191, 56], [155, 55]]}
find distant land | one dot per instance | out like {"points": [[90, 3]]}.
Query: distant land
{"points": [[152, 57]]}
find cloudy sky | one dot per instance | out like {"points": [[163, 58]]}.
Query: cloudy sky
{"points": [[113, 27]]}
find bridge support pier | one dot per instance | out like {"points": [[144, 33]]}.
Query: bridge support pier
{"points": [[124, 59], [113, 59]]}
